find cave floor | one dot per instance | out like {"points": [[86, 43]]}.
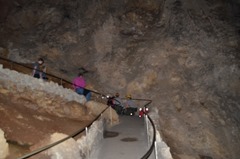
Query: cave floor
{"points": [[126, 140]]}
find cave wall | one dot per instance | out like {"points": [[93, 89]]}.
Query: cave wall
{"points": [[183, 54]]}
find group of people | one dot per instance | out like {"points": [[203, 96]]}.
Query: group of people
{"points": [[79, 84], [116, 100], [122, 106]]}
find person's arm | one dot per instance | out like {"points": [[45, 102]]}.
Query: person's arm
{"points": [[34, 70], [42, 72], [83, 84], [126, 104], [44, 69], [74, 84]]}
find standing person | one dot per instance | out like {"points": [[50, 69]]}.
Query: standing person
{"points": [[39, 69], [130, 107], [129, 102], [79, 85]]}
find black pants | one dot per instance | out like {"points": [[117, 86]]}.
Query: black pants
{"points": [[37, 75]]}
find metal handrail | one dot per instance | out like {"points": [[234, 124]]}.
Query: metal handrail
{"points": [[149, 101], [147, 154], [150, 150], [51, 75], [35, 152], [62, 140]]}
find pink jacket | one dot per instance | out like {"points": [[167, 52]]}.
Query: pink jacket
{"points": [[79, 82]]}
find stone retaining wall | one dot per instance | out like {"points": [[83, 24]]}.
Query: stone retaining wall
{"points": [[83, 148], [23, 81], [163, 151], [89, 144]]}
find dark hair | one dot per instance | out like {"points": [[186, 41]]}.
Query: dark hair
{"points": [[80, 74], [41, 59]]}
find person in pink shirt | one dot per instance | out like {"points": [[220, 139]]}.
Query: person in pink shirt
{"points": [[79, 85]]}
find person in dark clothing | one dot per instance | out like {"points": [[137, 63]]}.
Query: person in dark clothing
{"points": [[116, 104], [39, 69], [44, 74]]}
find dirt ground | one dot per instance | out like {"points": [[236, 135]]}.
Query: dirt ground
{"points": [[25, 127]]}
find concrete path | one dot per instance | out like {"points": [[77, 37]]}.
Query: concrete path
{"points": [[130, 141]]}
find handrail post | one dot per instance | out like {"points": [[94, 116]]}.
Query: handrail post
{"points": [[86, 129], [156, 152], [111, 116], [146, 121]]}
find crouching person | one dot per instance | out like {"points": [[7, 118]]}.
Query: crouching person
{"points": [[79, 85], [117, 104]]}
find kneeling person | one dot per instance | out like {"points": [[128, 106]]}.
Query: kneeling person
{"points": [[79, 85]]}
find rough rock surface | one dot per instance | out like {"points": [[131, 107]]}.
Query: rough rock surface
{"points": [[96, 108], [183, 54], [90, 143], [31, 114], [3, 146], [67, 150], [26, 126], [85, 147]]}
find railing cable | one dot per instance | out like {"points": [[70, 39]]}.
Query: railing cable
{"points": [[148, 153], [62, 140]]}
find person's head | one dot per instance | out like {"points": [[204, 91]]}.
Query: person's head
{"points": [[80, 74], [117, 95], [40, 61]]}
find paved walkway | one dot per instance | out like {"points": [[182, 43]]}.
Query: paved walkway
{"points": [[130, 141]]}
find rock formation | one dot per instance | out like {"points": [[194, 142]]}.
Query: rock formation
{"points": [[182, 54], [68, 149], [31, 110], [95, 109]]}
